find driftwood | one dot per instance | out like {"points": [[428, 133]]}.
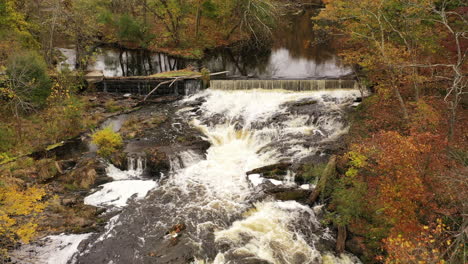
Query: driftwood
{"points": [[327, 175], [179, 78]]}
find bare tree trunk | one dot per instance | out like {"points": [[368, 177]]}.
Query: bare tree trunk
{"points": [[401, 102], [341, 239], [198, 19]]}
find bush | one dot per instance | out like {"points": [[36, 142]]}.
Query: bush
{"points": [[112, 107], [6, 138], [28, 79], [19, 209], [108, 142], [312, 172]]}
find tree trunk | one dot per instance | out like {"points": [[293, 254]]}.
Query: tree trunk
{"points": [[402, 103], [341, 239], [198, 19]]}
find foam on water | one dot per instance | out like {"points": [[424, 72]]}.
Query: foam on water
{"points": [[117, 193], [238, 145], [211, 193], [266, 234], [259, 105], [55, 250], [61, 249]]}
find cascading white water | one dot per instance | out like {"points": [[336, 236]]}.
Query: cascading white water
{"points": [[136, 165], [125, 185], [243, 136], [227, 218]]}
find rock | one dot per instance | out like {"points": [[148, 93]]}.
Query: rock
{"points": [[157, 161], [356, 245], [127, 95], [294, 194], [285, 193], [306, 102], [85, 174], [46, 169], [70, 201], [66, 164], [172, 254], [276, 171], [119, 160]]}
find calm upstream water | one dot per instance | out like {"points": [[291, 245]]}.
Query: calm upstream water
{"points": [[296, 53], [228, 217]]}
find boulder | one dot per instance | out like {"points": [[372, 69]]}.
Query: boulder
{"points": [[287, 193], [65, 165], [276, 171], [85, 175], [157, 161], [292, 194]]}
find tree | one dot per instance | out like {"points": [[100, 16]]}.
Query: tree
{"points": [[255, 17], [403, 39], [14, 31], [27, 83], [172, 14]]}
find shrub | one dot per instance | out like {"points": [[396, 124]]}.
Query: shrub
{"points": [[112, 107], [312, 172], [6, 138], [108, 142], [19, 209], [28, 79]]}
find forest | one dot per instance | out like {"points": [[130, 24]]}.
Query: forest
{"points": [[393, 190]]}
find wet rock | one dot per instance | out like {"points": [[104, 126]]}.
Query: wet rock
{"points": [[157, 161], [66, 165], [175, 232], [305, 102], [119, 160], [276, 171], [285, 193], [170, 254], [292, 194], [87, 174]]}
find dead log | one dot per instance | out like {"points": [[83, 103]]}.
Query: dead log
{"points": [[179, 78], [327, 175]]}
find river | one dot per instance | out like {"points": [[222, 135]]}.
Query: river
{"points": [[219, 213], [297, 52]]}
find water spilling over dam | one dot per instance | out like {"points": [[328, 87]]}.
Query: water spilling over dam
{"points": [[290, 85]]}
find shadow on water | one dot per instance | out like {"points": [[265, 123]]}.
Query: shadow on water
{"points": [[296, 52]]}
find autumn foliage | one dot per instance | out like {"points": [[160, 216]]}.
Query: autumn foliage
{"points": [[405, 171]]}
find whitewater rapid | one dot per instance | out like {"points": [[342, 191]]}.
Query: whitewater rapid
{"points": [[228, 217]]}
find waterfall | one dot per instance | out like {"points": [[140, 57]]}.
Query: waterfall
{"points": [[291, 85], [192, 86], [136, 164], [228, 217]]}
